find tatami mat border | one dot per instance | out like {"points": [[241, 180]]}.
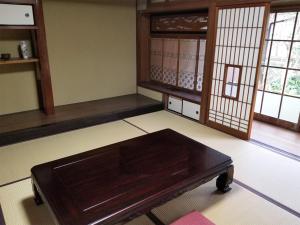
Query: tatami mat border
{"points": [[16, 181], [154, 218], [284, 207], [275, 150]]}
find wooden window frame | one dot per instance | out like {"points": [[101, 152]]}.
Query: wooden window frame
{"points": [[238, 84], [259, 115]]}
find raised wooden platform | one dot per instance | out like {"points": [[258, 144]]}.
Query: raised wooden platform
{"points": [[28, 125]]}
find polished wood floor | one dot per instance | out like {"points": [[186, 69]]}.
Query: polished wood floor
{"points": [[277, 137]]}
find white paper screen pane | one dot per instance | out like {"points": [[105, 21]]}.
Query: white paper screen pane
{"points": [[261, 16], [271, 104], [238, 41], [251, 15], [290, 109], [246, 16], [219, 20], [258, 101]]}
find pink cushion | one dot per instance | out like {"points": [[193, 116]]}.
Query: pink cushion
{"points": [[193, 218]]}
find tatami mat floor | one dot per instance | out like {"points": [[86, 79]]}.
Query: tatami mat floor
{"points": [[268, 172], [16, 160], [19, 207], [272, 174]]}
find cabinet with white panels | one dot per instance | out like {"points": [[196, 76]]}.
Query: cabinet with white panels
{"points": [[14, 14], [186, 108]]}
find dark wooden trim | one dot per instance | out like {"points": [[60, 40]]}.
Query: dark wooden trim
{"points": [[2, 221], [208, 68], [277, 122], [178, 36], [42, 51], [285, 7], [225, 82], [224, 4], [184, 94], [76, 116], [10, 27], [31, 2], [143, 47], [177, 6]]}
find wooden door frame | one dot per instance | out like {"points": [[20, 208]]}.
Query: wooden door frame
{"points": [[209, 78]]}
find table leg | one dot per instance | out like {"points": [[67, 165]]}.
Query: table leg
{"points": [[225, 179], [37, 197]]}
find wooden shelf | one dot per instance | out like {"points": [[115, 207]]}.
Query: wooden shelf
{"points": [[193, 97], [17, 27], [18, 61], [28, 125]]}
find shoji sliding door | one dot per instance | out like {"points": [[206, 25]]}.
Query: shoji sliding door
{"points": [[237, 53]]}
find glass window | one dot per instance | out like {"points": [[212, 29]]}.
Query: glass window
{"points": [[270, 27], [279, 81], [275, 80], [262, 76], [266, 53], [297, 31], [280, 53], [290, 109], [295, 56], [271, 104], [284, 26], [232, 81], [292, 86], [258, 101]]}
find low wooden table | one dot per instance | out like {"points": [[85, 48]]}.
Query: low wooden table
{"points": [[121, 181]]}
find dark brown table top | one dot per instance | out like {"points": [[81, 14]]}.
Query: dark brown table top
{"points": [[115, 182]]}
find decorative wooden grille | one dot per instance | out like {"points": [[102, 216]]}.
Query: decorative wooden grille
{"points": [[178, 62], [156, 59], [187, 63], [238, 41], [179, 23], [170, 59]]}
